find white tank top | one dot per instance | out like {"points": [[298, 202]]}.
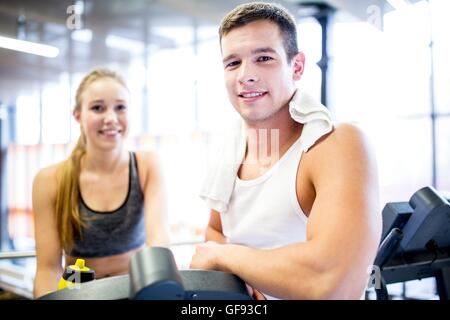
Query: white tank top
{"points": [[264, 212]]}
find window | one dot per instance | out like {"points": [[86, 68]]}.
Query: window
{"points": [[383, 84]]}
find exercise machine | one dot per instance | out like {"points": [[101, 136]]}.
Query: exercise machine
{"points": [[415, 243], [154, 275]]}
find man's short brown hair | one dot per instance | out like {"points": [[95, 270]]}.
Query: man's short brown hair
{"points": [[249, 12]]}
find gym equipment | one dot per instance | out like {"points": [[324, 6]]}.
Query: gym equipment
{"points": [[415, 242], [7, 255], [77, 273], [153, 275]]}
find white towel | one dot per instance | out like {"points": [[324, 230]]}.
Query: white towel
{"points": [[219, 183]]}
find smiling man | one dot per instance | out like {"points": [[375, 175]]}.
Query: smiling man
{"points": [[306, 226]]}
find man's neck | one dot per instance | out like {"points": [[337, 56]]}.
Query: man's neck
{"points": [[268, 140]]}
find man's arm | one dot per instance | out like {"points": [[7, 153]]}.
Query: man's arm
{"points": [[156, 224], [214, 228], [343, 231], [48, 250]]}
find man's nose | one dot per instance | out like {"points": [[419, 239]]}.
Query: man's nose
{"points": [[247, 74]]}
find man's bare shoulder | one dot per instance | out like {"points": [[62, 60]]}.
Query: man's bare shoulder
{"points": [[344, 146], [344, 137]]}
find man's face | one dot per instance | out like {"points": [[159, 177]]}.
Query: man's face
{"points": [[258, 77]]}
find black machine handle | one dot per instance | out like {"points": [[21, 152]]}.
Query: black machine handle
{"points": [[387, 248]]}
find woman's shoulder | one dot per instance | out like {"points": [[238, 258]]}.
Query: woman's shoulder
{"points": [[48, 175], [146, 159], [148, 166], [45, 184]]}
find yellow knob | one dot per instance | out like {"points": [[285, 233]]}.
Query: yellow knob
{"points": [[79, 265], [78, 272]]}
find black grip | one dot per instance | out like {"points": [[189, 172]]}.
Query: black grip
{"points": [[388, 246]]}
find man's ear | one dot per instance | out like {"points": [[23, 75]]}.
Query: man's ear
{"points": [[298, 65], [77, 115]]}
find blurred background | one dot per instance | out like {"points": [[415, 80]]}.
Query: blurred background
{"points": [[381, 64]]}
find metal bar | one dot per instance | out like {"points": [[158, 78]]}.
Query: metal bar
{"points": [[17, 254]]}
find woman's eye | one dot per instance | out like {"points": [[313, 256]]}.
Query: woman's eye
{"points": [[121, 107], [97, 107]]}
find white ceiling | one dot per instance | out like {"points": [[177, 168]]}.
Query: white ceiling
{"points": [[45, 22]]}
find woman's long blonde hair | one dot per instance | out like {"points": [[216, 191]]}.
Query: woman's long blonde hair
{"points": [[68, 219]]}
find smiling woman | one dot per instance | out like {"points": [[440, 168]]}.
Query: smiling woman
{"points": [[72, 217]]}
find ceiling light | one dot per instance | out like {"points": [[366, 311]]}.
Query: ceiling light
{"points": [[28, 47], [83, 35]]}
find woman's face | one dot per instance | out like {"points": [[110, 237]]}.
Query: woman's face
{"points": [[103, 115]]}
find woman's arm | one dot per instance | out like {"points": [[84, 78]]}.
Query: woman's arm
{"points": [[156, 222], [48, 250]]}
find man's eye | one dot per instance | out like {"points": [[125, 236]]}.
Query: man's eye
{"points": [[232, 64], [264, 58], [121, 107]]}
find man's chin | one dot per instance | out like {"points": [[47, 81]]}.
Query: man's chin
{"points": [[253, 118]]}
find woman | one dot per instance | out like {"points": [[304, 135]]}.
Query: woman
{"points": [[103, 203]]}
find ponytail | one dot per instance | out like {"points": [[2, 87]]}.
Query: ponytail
{"points": [[68, 219]]}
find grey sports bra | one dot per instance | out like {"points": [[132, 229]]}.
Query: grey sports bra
{"points": [[114, 232]]}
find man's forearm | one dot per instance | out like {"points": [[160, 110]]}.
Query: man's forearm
{"points": [[290, 272], [214, 235]]}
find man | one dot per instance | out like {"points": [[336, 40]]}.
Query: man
{"points": [[314, 238]]}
